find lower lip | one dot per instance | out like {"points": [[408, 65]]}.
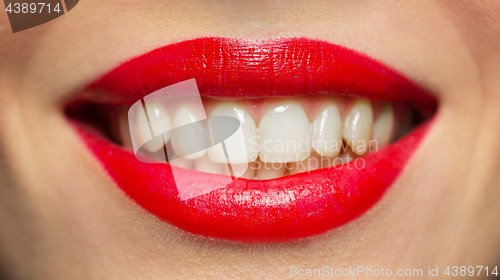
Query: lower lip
{"points": [[276, 210]]}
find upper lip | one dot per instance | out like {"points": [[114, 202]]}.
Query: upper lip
{"points": [[276, 210], [229, 68]]}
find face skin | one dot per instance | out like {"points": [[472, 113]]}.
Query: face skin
{"points": [[62, 217]]}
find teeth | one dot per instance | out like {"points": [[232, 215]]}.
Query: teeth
{"points": [[332, 161], [182, 162], [348, 156], [124, 130], [343, 158], [284, 134], [269, 171], [313, 162], [327, 132], [188, 139], [245, 171], [383, 126], [159, 119], [242, 146], [144, 134], [284, 143], [204, 164], [358, 126]]}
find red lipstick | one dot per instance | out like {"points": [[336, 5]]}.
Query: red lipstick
{"points": [[275, 210]]}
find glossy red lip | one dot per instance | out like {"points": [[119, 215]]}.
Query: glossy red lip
{"points": [[258, 211]]}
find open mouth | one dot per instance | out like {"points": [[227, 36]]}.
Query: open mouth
{"points": [[327, 131]]}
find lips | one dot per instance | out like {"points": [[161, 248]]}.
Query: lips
{"points": [[277, 210]]}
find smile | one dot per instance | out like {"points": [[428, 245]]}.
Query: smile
{"points": [[327, 131]]}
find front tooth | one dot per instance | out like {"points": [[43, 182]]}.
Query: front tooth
{"points": [[188, 139], [383, 127], [242, 146], [358, 126], [284, 134], [143, 133], [313, 162], [268, 171], [327, 131], [159, 119], [204, 164]]}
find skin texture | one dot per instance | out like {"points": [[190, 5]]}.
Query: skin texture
{"points": [[63, 218]]}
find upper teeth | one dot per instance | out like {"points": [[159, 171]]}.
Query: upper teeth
{"points": [[289, 133], [383, 126], [159, 119], [327, 131], [358, 126], [241, 148], [284, 134], [183, 141]]}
